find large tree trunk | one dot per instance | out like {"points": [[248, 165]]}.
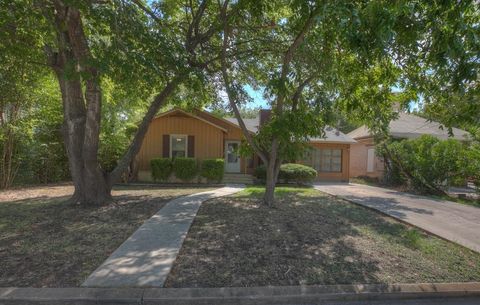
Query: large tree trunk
{"points": [[81, 128], [82, 100], [272, 169], [270, 183]]}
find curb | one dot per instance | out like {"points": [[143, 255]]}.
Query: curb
{"points": [[236, 295]]}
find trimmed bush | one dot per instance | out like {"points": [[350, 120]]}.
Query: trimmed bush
{"points": [[185, 169], [297, 173], [212, 169], [161, 168], [260, 172]]}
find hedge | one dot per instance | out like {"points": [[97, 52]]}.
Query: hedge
{"points": [[212, 169], [290, 172], [161, 169], [298, 173], [185, 168]]}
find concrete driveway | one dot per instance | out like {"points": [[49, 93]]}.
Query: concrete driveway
{"points": [[452, 221]]}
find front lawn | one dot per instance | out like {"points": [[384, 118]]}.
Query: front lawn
{"points": [[46, 243], [310, 238]]}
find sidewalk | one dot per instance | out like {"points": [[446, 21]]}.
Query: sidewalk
{"points": [[146, 257]]}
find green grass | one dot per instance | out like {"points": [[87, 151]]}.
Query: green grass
{"points": [[280, 191], [45, 242], [310, 238]]}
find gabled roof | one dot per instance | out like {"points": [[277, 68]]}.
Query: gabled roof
{"points": [[178, 110], [332, 135], [410, 126], [251, 124]]}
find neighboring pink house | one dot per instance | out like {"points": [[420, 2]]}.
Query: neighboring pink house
{"points": [[363, 160]]}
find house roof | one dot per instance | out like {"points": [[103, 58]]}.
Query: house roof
{"points": [[178, 110], [332, 135], [411, 126]]}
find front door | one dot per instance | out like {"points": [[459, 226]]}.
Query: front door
{"points": [[232, 160]]}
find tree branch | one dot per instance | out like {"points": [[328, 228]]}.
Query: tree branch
{"points": [[228, 86], [298, 92], [147, 10], [288, 57], [136, 143]]}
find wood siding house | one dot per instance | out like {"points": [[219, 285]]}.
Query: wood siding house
{"points": [[201, 135]]}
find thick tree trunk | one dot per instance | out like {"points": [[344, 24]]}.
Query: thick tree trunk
{"points": [[88, 180], [272, 169], [81, 110]]}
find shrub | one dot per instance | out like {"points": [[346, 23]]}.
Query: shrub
{"points": [[212, 169], [429, 161], [471, 164], [290, 172], [298, 173], [161, 169], [260, 172], [185, 168]]}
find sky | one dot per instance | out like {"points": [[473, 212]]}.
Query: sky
{"points": [[257, 96], [259, 101]]}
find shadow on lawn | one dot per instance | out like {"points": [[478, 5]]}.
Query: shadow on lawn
{"points": [[303, 240], [45, 242]]}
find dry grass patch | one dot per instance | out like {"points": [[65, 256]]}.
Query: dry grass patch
{"points": [[45, 242], [310, 238]]}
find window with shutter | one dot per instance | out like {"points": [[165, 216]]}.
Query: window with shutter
{"points": [[178, 146]]}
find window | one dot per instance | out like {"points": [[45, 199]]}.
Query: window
{"points": [[370, 160], [325, 160], [178, 146]]}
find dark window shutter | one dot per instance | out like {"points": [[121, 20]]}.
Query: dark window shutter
{"points": [[166, 146], [191, 147]]}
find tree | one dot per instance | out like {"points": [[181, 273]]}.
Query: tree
{"points": [[92, 40], [346, 55], [20, 81]]}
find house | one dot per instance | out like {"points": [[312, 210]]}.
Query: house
{"points": [[201, 135], [363, 160]]}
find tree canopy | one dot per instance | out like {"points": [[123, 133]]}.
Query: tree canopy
{"points": [[105, 68]]}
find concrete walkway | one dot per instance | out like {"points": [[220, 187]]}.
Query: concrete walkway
{"points": [[452, 221], [146, 257]]}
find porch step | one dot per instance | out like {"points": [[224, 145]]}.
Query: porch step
{"points": [[237, 178]]}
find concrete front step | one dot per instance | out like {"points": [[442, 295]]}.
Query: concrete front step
{"points": [[237, 178]]}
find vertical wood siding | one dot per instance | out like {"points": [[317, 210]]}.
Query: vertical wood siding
{"points": [[208, 139]]}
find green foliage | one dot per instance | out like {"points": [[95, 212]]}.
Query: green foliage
{"points": [[213, 169], [162, 169], [297, 173], [471, 164], [260, 173], [185, 169], [428, 161]]}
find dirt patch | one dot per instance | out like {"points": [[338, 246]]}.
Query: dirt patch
{"points": [[45, 242], [310, 238]]}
